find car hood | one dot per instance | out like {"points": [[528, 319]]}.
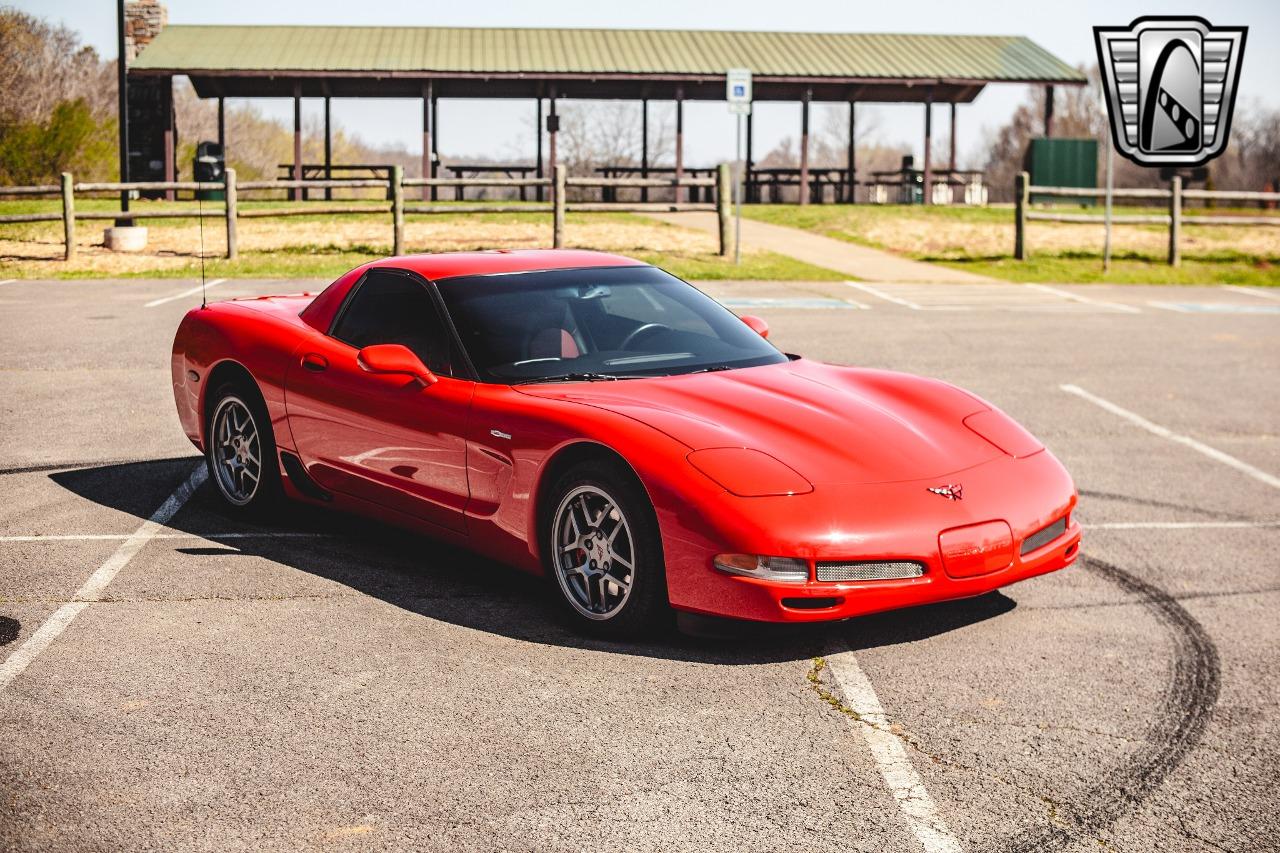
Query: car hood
{"points": [[831, 424]]}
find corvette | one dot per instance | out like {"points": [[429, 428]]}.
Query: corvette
{"points": [[593, 419]]}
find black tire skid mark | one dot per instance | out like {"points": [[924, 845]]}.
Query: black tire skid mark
{"points": [[1184, 713], [1148, 502]]}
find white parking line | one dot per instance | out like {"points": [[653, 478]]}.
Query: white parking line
{"points": [[1181, 525], [8, 281], [192, 292], [109, 537], [890, 756], [1076, 297], [1164, 432], [1251, 291], [97, 582], [866, 288]]}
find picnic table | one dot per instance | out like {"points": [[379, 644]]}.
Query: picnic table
{"points": [[478, 170], [771, 179], [695, 193]]}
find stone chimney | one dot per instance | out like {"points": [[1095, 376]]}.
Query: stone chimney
{"points": [[143, 21]]}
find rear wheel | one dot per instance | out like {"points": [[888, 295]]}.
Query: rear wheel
{"points": [[604, 554], [240, 450]]}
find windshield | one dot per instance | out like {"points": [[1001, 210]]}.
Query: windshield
{"points": [[596, 323]]}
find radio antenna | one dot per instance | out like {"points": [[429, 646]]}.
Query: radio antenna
{"points": [[204, 303]]}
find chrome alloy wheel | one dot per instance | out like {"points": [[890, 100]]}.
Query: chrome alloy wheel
{"points": [[593, 552], [236, 451]]}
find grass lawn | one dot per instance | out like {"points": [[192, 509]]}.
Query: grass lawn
{"points": [[980, 240], [325, 246]]}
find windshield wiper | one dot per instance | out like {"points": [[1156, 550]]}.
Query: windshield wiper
{"points": [[577, 377], [712, 369]]}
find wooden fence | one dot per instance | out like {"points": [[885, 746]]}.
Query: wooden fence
{"points": [[230, 212], [1174, 218]]}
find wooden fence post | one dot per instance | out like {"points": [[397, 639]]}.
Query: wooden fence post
{"points": [[229, 191], [397, 210], [723, 193], [68, 216], [1175, 220], [558, 202], [1022, 196]]}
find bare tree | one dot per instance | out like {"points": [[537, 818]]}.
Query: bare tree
{"points": [[42, 65]]}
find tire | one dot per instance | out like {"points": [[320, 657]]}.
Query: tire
{"points": [[239, 444], [613, 583]]}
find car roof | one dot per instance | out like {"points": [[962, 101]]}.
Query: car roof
{"points": [[496, 261], [320, 313]]}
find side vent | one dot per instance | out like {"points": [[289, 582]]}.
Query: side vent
{"points": [[301, 479]]}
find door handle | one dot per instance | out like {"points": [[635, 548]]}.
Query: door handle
{"points": [[314, 362]]}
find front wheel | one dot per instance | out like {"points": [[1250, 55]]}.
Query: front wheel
{"points": [[604, 554], [240, 450]]}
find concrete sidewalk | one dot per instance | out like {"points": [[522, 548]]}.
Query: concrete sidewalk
{"points": [[855, 261]]}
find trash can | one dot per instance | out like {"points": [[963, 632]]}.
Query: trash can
{"points": [[209, 166]]}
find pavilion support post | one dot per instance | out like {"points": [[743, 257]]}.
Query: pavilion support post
{"points": [[435, 141], [851, 193], [679, 143], [804, 146], [553, 130], [328, 151], [1048, 112], [297, 140], [537, 154], [746, 166], [953, 137], [927, 190], [222, 128], [644, 146], [170, 155], [427, 153]]}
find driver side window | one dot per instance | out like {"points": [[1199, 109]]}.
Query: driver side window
{"points": [[393, 308]]}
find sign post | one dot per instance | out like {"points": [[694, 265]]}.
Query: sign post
{"points": [[738, 94]]}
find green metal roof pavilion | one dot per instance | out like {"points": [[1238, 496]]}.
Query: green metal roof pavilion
{"points": [[450, 62], [263, 61]]}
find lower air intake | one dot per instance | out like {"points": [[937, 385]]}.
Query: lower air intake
{"points": [[844, 571], [1044, 536]]}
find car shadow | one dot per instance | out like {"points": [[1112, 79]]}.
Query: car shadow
{"points": [[453, 585]]}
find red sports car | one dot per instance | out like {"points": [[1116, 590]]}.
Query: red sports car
{"points": [[594, 419]]}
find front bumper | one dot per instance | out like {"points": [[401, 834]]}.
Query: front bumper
{"points": [[887, 521]]}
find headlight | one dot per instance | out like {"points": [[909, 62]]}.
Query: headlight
{"points": [[1004, 432], [749, 473], [781, 569]]}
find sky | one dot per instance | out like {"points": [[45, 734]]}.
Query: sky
{"points": [[503, 129]]}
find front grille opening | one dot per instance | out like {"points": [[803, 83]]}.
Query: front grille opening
{"points": [[1044, 535], [818, 603], [868, 571]]}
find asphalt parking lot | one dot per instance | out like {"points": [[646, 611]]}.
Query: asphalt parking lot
{"points": [[329, 683]]}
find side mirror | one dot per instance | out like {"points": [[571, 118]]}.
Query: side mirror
{"points": [[394, 359], [756, 324]]}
